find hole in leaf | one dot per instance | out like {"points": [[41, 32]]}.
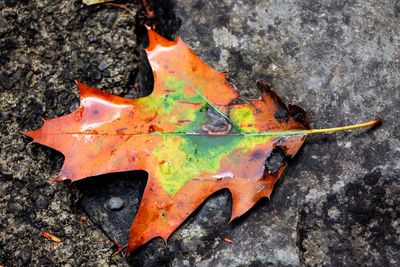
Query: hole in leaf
{"points": [[215, 122], [277, 158], [112, 201]]}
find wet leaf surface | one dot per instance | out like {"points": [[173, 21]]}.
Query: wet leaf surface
{"points": [[192, 135]]}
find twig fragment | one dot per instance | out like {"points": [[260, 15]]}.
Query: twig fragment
{"points": [[228, 240], [51, 237]]}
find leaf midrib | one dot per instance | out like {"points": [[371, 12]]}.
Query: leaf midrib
{"points": [[277, 133]]}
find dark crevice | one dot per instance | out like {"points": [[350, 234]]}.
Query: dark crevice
{"points": [[102, 194], [276, 159], [164, 22]]}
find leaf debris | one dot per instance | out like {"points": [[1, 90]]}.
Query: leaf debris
{"points": [[51, 237]]}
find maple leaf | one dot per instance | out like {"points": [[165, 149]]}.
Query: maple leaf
{"points": [[187, 134]]}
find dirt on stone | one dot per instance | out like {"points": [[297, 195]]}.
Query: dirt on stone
{"points": [[44, 46]]}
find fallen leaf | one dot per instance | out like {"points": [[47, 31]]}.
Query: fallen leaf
{"points": [[51, 237], [191, 134]]}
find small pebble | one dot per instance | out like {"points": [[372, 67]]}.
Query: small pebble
{"points": [[6, 82], [110, 20], [26, 254], [34, 15], [115, 203], [74, 105], [65, 22], [4, 115], [49, 54], [102, 66], [15, 208], [97, 75], [48, 19], [106, 73], [91, 38], [42, 202]]}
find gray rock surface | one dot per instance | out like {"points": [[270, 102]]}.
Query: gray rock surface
{"points": [[338, 202]]}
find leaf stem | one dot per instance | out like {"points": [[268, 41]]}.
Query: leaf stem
{"points": [[344, 128], [320, 131]]}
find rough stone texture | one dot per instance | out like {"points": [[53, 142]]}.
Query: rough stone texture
{"points": [[338, 202], [98, 192], [44, 45], [340, 60]]}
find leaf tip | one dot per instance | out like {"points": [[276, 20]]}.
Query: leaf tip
{"points": [[59, 178], [377, 122], [31, 134], [83, 89], [156, 39]]}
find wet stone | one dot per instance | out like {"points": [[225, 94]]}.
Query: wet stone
{"points": [[41, 202], [74, 105], [96, 75], [99, 192], [6, 82], [91, 38], [110, 20], [115, 203], [48, 19], [106, 73], [5, 115], [15, 208], [26, 255], [34, 15], [102, 66]]}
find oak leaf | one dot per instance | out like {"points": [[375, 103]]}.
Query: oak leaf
{"points": [[191, 134]]}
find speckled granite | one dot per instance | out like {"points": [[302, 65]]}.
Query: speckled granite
{"points": [[44, 45]]}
